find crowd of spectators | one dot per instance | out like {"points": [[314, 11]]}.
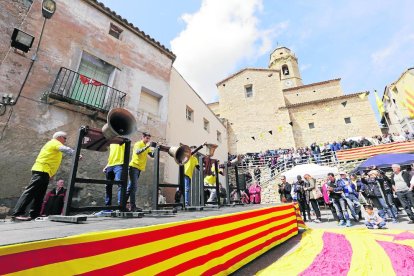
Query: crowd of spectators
{"points": [[277, 159]]}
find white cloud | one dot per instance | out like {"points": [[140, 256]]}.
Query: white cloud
{"points": [[217, 38], [396, 49], [304, 67]]}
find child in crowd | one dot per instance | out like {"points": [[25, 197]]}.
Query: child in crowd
{"points": [[372, 220]]}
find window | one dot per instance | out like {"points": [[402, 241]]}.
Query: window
{"points": [[218, 136], [311, 125], [249, 91], [347, 120], [115, 31], [206, 125], [149, 102], [285, 70], [189, 114]]}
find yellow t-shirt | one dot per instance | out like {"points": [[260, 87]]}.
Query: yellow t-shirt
{"points": [[116, 155], [139, 161], [49, 158], [189, 166], [211, 179]]}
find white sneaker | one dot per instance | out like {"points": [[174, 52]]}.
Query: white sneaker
{"points": [[317, 221], [375, 226]]}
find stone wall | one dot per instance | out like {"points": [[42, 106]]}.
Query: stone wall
{"points": [[138, 61], [313, 92]]}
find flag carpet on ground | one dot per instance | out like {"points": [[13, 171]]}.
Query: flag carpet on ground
{"points": [[366, 152], [210, 246], [349, 252]]}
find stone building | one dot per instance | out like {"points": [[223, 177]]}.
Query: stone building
{"points": [[399, 110], [89, 61], [270, 108]]}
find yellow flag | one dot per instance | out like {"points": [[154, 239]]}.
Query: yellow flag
{"points": [[409, 100], [380, 104], [386, 97], [261, 136], [362, 96], [280, 128]]}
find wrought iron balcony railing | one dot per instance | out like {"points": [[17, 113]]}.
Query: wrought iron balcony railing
{"points": [[72, 87]]}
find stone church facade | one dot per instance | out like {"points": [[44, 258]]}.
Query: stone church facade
{"points": [[270, 108]]}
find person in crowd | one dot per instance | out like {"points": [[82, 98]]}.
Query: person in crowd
{"points": [[374, 191], [54, 200], [299, 196], [316, 152], [335, 146], [161, 198], [189, 167], [177, 196], [255, 193], [349, 194], [365, 142], [335, 193], [313, 193], [257, 172], [408, 135], [327, 200], [354, 180], [113, 170], [403, 186], [398, 137], [223, 194], [372, 220], [140, 153], [388, 191], [45, 167], [285, 190], [210, 194]]}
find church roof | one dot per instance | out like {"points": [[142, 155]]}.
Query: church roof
{"points": [[327, 99], [247, 69], [311, 84]]}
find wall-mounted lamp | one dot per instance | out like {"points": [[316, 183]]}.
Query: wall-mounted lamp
{"points": [[7, 99], [48, 8], [21, 40]]}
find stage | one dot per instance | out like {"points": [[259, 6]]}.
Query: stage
{"points": [[213, 241]]}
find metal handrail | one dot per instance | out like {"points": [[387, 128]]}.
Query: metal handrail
{"points": [[72, 87]]}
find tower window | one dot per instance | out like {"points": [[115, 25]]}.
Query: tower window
{"points": [[311, 125], [248, 91], [347, 120], [285, 70], [218, 136]]}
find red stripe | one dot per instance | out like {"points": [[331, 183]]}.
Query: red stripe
{"points": [[39, 257], [222, 267], [151, 259]]}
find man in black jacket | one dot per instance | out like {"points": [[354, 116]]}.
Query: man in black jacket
{"points": [[403, 186], [284, 190]]}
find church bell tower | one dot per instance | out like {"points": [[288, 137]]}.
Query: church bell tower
{"points": [[284, 59]]}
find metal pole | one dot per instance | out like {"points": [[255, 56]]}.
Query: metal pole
{"points": [[216, 171], [75, 160], [226, 172], [201, 180], [181, 184], [124, 175], [156, 178]]}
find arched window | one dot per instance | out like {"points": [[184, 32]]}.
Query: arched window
{"points": [[285, 70]]}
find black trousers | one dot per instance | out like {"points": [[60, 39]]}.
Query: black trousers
{"points": [[315, 208], [304, 208], [35, 191]]}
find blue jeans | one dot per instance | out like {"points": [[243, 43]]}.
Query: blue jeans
{"points": [[382, 206], [340, 207], [112, 173], [187, 188], [354, 205], [371, 225], [134, 174]]}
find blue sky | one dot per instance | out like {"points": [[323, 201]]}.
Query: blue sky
{"points": [[366, 43]]}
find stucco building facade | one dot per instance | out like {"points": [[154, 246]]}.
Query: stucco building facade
{"points": [[270, 108], [89, 61]]}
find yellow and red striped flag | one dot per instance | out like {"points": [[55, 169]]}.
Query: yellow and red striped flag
{"points": [[409, 100]]}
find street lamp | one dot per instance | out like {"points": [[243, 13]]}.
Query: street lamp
{"points": [[48, 8]]}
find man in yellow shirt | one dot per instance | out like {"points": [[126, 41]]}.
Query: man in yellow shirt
{"points": [[113, 170], [210, 180], [137, 165], [188, 174], [46, 165]]}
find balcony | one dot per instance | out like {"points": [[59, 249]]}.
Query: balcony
{"points": [[75, 88]]}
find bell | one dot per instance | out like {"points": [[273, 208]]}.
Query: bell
{"points": [[120, 122], [211, 148], [180, 154]]}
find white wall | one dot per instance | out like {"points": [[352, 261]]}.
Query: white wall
{"points": [[181, 130]]}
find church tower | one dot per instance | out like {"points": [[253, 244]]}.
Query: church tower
{"points": [[284, 59]]}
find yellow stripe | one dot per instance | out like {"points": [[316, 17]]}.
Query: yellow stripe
{"points": [[114, 257], [214, 262], [101, 235], [186, 256], [368, 257], [300, 259]]}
